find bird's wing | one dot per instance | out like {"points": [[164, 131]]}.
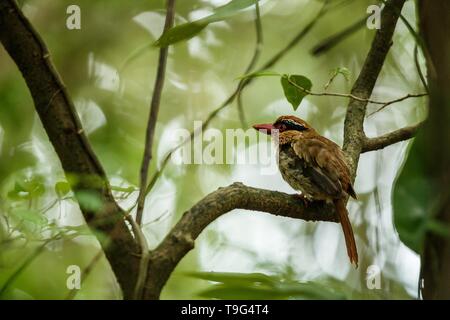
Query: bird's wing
{"points": [[325, 163]]}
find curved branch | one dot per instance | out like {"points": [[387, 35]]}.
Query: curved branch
{"points": [[180, 240], [372, 144]]}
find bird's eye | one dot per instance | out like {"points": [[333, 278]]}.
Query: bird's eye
{"points": [[290, 125]]}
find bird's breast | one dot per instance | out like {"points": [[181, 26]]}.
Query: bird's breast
{"points": [[294, 171]]}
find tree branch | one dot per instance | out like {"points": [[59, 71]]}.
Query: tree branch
{"points": [[384, 104], [148, 150], [253, 61], [181, 238], [60, 121], [372, 144], [354, 136], [153, 115]]}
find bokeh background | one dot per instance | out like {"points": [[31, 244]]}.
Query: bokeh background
{"points": [[109, 68]]}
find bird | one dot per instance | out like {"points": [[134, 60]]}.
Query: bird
{"points": [[315, 166]]}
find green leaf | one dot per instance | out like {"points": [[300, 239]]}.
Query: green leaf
{"points": [[62, 188], [89, 200], [180, 33], [229, 9], [292, 87], [27, 188], [17, 195], [256, 286], [188, 30], [414, 196], [341, 71], [239, 293], [338, 71], [233, 277]]}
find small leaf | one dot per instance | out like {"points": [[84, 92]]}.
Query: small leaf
{"points": [[180, 33], [338, 71], [19, 186], [342, 71], [233, 277], [189, 30], [293, 92], [62, 188], [28, 188], [18, 195]]}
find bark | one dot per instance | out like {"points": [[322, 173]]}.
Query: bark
{"points": [[434, 19], [58, 116]]}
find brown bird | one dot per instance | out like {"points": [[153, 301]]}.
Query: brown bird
{"points": [[316, 166]]}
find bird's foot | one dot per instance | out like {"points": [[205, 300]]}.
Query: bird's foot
{"points": [[303, 198]]}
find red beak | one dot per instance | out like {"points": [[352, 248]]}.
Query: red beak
{"points": [[264, 128]]}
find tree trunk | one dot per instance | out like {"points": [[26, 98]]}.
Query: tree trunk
{"points": [[434, 28]]}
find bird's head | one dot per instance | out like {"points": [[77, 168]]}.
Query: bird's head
{"points": [[288, 127]]}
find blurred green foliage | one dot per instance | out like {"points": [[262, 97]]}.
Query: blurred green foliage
{"points": [[108, 67]]}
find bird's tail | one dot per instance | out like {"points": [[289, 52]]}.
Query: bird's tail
{"points": [[348, 231]]}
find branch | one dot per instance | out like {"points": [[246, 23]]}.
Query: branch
{"points": [[181, 238], [409, 95], [372, 144], [354, 136], [60, 121], [153, 115], [352, 96], [333, 40], [146, 159], [253, 61]]}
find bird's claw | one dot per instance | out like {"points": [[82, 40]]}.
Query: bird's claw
{"points": [[302, 198]]}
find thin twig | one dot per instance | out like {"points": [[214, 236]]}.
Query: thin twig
{"points": [[143, 263], [333, 40], [419, 95], [354, 97], [253, 61], [153, 115], [354, 135], [372, 144], [419, 69]]}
